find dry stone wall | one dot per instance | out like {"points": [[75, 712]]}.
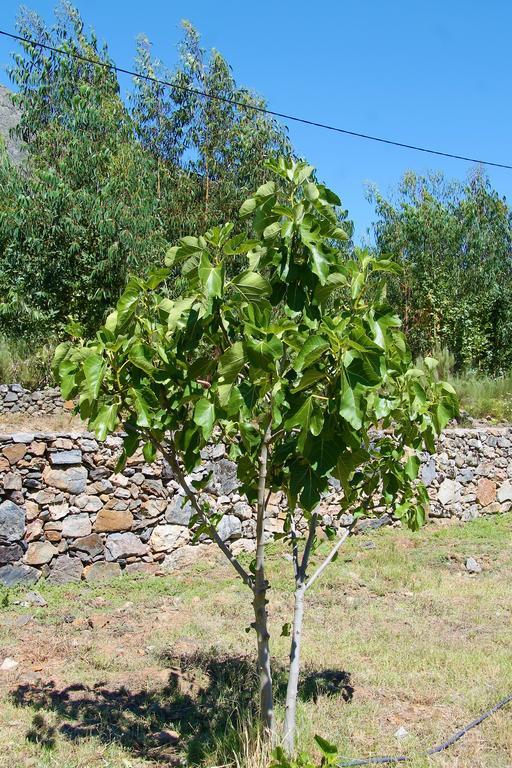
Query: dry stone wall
{"points": [[48, 401], [66, 515]]}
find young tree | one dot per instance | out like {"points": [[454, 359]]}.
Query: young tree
{"points": [[290, 364]]}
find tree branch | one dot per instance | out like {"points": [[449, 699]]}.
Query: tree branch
{"points": [[321, 568], [309, 544], [170, 456]]}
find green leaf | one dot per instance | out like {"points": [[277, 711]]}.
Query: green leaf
{"points": [[320, 264], [127, 304], [178, 309], [210, 277], [350, 407], [262, 352], [231, 363], [140, 354], [204, 416], [251, 286], [326, 747], [94, 368], [104, 421], [312, 351], [248, 207], [412, 466]]}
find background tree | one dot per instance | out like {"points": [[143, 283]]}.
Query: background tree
{"points": [[289, 363], [455, 245]]}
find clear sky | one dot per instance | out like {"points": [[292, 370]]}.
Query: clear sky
{"points": [[434, 73]]}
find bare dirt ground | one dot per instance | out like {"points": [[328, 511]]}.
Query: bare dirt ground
{"points": [[158, 671]]}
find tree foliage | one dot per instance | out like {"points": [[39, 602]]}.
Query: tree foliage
{"points": [[104, 188], [455, 245], [302, 372]]}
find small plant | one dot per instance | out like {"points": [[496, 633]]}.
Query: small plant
{"points": [[328, 751]]}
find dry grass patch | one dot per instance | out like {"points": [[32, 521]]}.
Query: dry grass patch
{"points": [[396, 634]]}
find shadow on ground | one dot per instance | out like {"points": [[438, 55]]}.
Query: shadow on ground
{"points": [[205, 699]]}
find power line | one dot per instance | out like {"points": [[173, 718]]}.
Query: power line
{"points": [[253, 107]]}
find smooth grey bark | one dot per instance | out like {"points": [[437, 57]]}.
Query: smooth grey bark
{"points": [[260, 601], [290, 718]]}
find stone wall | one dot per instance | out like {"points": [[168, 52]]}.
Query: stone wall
{"points": [[66, 515], [16, 399]]}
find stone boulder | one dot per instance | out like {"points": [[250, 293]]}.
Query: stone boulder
{"points": [[167, 537], [75, 526], [121, 545], [101, 571], [40, 553], [113, 520], [65, 570], [12, 521], [72, 480], [12, 575]]}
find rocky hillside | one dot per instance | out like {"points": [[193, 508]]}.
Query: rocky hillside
{"points": [[9, 117]]}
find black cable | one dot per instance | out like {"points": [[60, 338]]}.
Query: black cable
{"points": [[255, 108], [433, 750]]}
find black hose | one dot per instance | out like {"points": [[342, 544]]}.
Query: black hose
{"points": [[433, 750]]}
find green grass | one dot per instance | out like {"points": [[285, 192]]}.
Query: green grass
{"points": [[420, 642]]}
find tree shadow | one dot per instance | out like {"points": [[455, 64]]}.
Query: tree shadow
{"points": [[208, 699]]}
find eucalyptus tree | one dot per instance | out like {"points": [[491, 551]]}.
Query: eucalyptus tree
{"points": [[454, 242], [300, 370]]}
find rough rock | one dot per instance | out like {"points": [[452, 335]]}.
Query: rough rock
{"points": [[101, 571], [486, 491], [40, 552], [121, 545], [113, 520], [229, 527], [167, 537], [505, 492], [178, 511], [65, 570], [92, 545], [72, 480], [447, 493], [88, 503], [12, 521], [75, 526], [11, 575], [14, 453], [9, 553], [12, 482], [473, 566], [66, 457]]}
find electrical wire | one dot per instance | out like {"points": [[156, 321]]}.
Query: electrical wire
{"points": [[254, 107], [433, 750]]}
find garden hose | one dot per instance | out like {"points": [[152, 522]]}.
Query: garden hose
{"points": [[433, 750]]}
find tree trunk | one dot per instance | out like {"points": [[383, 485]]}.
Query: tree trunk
{"points": [[293, 672], [260, 602]]}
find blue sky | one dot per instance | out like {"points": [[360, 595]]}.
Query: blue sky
{"points": [[430, 73]]}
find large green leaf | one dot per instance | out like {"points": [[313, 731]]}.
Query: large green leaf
{"points": [[313, 349], [105, 420], [204, 416], [210, 277], [141, 355], [251, 287], [94, 368], [231, 363]]}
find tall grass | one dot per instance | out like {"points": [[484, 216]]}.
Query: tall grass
{"points": [[485, 398], [21, 364], [480, 397]]}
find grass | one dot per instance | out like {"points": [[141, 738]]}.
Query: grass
{"points": [[21, 364], [398, 634], [485, 398]]}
